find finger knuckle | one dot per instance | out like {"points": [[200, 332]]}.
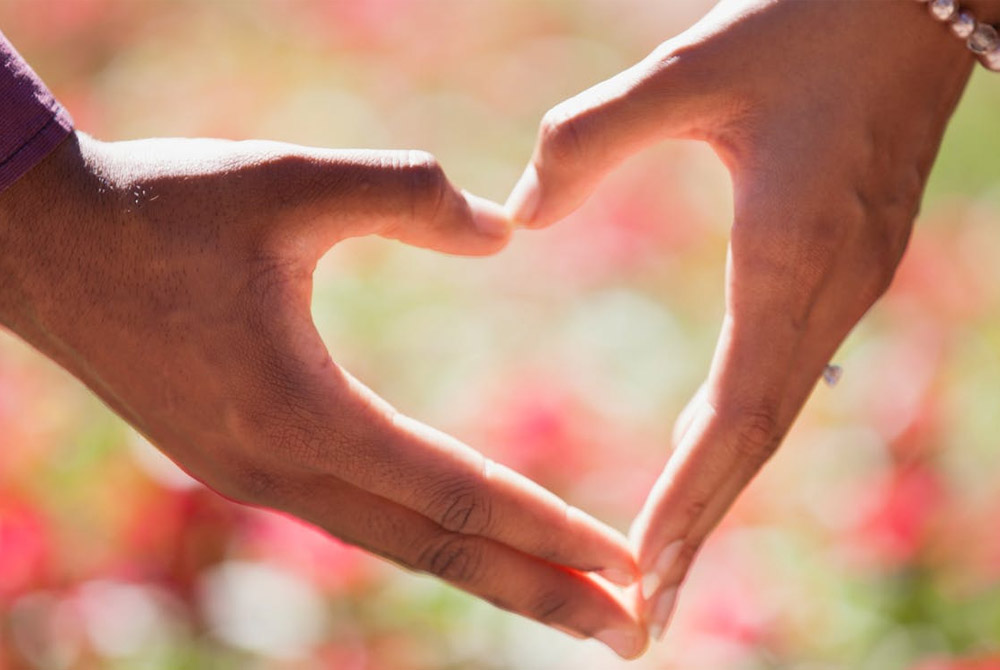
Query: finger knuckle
{"points": [[886, 250], [423, 165], [284, 164], [426, 182], [890, 188], [875, 267], [878, 281], [296, 440], [688, 552], [253, 484], [549, 606], [560, 135], [453, 558], [694, 510], [279, 424], [461, 507], [668, 59], [754, 433], [663, 55], [279, 179], [888, 219]]}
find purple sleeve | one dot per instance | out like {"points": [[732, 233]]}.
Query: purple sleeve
{"points": [[32, 122]]}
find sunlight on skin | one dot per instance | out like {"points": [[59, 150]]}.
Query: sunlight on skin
{"points": [[829, 138], [161, 259]]}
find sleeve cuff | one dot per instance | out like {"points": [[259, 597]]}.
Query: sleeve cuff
{"points": [[32, 122]]}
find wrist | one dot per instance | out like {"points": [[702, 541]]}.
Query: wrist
{"points": [[922, 51], [973, 23], [37, 214]]}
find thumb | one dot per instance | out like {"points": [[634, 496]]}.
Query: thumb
{"points": [[327, 195], [585, 137], [408, 197]]}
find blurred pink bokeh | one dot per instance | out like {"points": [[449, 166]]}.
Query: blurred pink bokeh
{"points": [[870, 541]]}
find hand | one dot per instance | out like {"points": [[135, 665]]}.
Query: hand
{"points": [[829, 116], [173, 277]]}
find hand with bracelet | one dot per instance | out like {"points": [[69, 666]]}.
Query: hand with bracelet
{"points": [[829, 115]]}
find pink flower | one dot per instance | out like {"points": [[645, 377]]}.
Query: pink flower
{"points": [[305, 550], [538, 427], [25, 548], [899, 515], [176, 534]]}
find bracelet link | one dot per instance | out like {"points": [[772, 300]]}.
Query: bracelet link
{"points": [[943, 10], [982, 39], [964, 25]]}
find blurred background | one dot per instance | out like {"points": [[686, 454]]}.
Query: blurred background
{"points": [[871, 540]]}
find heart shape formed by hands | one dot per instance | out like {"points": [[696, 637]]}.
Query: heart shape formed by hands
{"points": [[175, 276]]}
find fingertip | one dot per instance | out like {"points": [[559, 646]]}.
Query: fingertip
{"points": [[616, 560], [643, 645], [629, 644], [618, 576], [660, 611], [620, 566], [522, 204], [488, 217]]}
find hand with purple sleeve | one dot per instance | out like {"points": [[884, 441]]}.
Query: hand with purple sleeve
{"points": [[173, 277]]}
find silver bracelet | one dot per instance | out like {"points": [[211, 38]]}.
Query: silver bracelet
{"points": [[981, 38]]}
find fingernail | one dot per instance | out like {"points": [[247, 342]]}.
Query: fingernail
{"points": [[662, 611], [616, 576], [652, 580], [650, 584], [622, 642], [522, 205], [487, 216]]}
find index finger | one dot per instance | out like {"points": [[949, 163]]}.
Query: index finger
{"points": [[796, 283], [728, 439], [788, 307], [465, 492], [769, 356]]}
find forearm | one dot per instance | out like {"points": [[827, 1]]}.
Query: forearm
{"points": [[32, 210]]}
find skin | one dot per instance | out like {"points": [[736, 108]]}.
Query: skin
{"points": [[173, 277], [829, 115]]}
